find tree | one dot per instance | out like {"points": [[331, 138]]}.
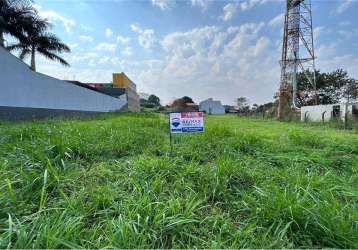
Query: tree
{"points": [[41, 41], [144, 103], [332, 87], [154, 100], [241, 102], [187, 99], [266, 109], [243, 106], [182, 103], [229, 109], [15, 15], [255, 107], [350, 91]]}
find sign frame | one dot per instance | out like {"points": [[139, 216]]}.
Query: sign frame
{"points": [[173, 128], [193, 122]]}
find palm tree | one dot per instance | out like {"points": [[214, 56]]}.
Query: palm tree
{"points": [[41, 41], [14, 15]]}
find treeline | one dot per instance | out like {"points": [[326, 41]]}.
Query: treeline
{"points": [[184, 103], [331, 87]]}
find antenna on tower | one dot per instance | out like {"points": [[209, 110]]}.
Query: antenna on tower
{"points": [[297, 53]]}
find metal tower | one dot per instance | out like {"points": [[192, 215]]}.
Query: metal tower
{"points": [[297, 52]]}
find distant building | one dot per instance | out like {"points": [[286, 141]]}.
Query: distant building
{"points": [[121, 80], [121, 85], [211, 106], [324, 113]]}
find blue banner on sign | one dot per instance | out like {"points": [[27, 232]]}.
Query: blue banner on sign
{"points": [[194, 129]]}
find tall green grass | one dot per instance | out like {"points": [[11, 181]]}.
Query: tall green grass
{"points": [[110, 182]]}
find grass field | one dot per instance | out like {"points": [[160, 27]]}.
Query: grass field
{"points": [[110, 182]]}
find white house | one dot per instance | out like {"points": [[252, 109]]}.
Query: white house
{"points": [[324, 113], [211, 106]]}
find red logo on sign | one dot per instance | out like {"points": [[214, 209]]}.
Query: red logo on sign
{"points": [[192, 114]]}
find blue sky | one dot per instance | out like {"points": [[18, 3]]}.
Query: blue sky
{"points": [[199, 48]]}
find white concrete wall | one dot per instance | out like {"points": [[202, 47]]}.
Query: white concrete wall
{"points": [[214, 106], [21, 87], [314, 113]]}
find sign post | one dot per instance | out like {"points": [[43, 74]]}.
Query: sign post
{"points": [[171, 143], [186, 122]]}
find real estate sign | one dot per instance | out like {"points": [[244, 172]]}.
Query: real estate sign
{"points": [[187, 122]]}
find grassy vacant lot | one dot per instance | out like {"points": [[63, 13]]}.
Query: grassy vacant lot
{"points": [[109, 182]]}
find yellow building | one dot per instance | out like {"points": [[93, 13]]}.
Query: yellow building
{"points": [[121, 80]]}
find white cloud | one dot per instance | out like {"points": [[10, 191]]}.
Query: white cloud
{"points": [[203, 4], [123, 39], [317, 32], [232, 29], [344, 5], [244, 40], [117, 61], [348, 34], [146, 37], [222, 62], [136, 28], [345, 23], [83, 57], [91, 75], [104, 60], [110, 47], [326, 51], [277, 20], [249, 4], [92, 63], [53, 16], [229, 11], [208, 61], [73, 45], [186, 44], [236, 58], [163, 4], [85, 38], [108, 32], [127, 51], [329, 58], [169, 4], [251, 28], [85, 27]]}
